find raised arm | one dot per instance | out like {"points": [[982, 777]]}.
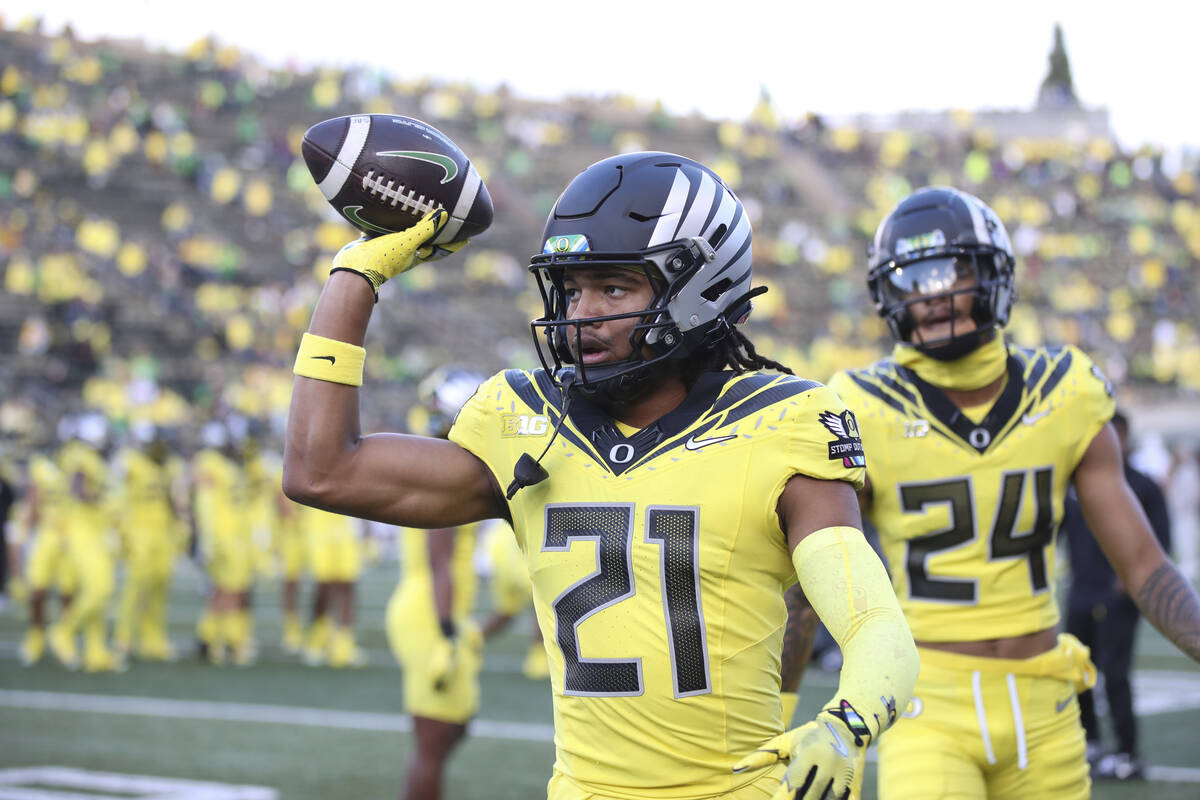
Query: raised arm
{"points": [[404, 480], [1116, 519]]}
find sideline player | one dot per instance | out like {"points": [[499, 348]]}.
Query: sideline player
{"points": [[1103, 615], [48, 563], [221, 508], [89, 525], [429, 624], [335, 549], [972, 445], [678, 491], [152, 535]]}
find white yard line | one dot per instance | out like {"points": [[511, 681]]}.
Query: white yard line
{"points": [[254, 712], [43, 783]]}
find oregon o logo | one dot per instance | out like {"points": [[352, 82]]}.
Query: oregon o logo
{"points": [[621, 453], [980, 438]]}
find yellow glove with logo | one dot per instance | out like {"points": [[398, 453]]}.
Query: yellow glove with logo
{"points": [[822, 756], [378, 258]]}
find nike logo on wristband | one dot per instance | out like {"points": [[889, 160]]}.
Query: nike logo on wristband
{"points": [[330, 359]]}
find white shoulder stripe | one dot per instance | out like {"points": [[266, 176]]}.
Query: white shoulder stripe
{"points": [[352, 148]]}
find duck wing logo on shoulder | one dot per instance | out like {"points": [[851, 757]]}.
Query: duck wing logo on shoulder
{"points": [[847, 446]]}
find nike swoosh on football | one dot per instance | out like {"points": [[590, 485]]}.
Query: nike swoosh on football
{"points": [[330, 359], [1060, 707], [695, 444], [1029, 419], [437, 159], [352, 214]]}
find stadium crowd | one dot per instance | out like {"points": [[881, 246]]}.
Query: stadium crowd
{"points": [[162, 245]]}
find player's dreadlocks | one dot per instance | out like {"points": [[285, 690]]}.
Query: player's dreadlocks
{"points": [[736, 352]]}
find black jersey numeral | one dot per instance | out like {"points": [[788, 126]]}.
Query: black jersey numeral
{"points": [[1004, 542], [676, 532], [956, 494]]}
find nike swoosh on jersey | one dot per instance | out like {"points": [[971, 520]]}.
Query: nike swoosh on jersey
{"points": [[695, 444], [1062, 706], [330, 359], [1030, 419]]}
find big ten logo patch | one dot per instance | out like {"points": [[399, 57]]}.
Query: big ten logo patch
{"points": [[524, 425]]}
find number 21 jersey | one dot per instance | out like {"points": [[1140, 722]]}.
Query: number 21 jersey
{"points": [[658, 565]]}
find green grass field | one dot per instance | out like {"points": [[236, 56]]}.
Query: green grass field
{"points": [[316, 733]]}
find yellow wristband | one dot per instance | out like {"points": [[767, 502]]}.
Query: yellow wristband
{"points": [[330, 360]]}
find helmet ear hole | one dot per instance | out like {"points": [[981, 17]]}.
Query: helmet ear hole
{"points": [[716, 290], [717, 235]]}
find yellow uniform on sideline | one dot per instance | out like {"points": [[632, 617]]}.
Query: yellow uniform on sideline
{"points": [[333, 544], [413, 629], [630, 544], [49, 564], [510, 590], [152, 537], [88, 521], [967, 519], [222, 517]]}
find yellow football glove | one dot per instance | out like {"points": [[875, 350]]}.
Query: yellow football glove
{"points": [[823, 756], [443, 661], [451, 652], [378, 258]]}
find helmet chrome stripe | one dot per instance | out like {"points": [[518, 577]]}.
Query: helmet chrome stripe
{"points": [[672, 210]]}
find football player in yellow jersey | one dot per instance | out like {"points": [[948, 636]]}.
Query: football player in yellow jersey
{"points": [[89, 524], [221, 504], [972, 443], [152, 535], [292, 553], [429, 626], [48, 562], [511, 594], [334, 546], [663, 489]]}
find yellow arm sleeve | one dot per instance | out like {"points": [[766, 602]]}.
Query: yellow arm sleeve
{"points": [[848, 587]]}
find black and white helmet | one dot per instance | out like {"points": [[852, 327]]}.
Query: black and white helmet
{"points": [[929, 240], [663, 214]]}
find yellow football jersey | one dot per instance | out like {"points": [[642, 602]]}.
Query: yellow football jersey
{"points": [[78, 461], [967, 512], [658, 566], [148, 520], [221, 495], [53, 490], [417, 580]]}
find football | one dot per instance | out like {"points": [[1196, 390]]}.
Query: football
{"points": [[383, 172]]}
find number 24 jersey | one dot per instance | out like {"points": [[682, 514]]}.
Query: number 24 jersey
{"points": [[658, 565], [967, 511]]}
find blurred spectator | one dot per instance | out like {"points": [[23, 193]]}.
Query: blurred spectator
{"points": [[1104, 617]]}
